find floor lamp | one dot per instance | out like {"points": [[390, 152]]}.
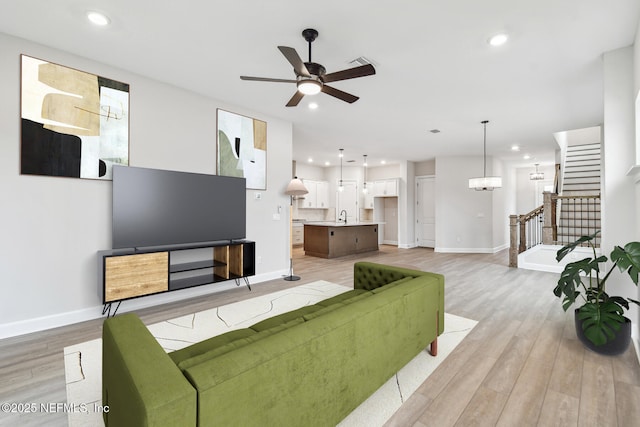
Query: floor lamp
{"points": [[295, 188]]}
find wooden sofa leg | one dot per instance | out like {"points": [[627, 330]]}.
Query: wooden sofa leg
{"points": [[434, 343], [434, 347]]}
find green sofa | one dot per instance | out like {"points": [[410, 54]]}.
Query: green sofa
{"points": [[308, 367]]}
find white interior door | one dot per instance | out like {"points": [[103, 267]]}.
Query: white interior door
{"points": [[348, 201], [426, 212]]}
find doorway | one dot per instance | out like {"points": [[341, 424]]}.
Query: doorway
{"points": [[426, 211]]}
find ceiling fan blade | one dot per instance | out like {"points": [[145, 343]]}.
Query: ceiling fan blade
{"points": [[266, 79], [347, 97], [351, 73], [295, 99], [295, 60]]}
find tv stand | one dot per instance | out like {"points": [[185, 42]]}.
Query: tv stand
{"points": [[136, 272]]}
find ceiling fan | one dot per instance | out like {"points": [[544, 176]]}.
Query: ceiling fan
{"points": [[311, 77]]}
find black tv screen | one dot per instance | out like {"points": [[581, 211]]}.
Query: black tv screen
{"points": [[153, 207]]}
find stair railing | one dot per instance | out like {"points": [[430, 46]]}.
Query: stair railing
{"points": [[581, 217], [526, 231]]}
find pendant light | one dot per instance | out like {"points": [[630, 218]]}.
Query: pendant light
{"points": [[486, 183], [364, 186], [536, 176], [341, 155]]}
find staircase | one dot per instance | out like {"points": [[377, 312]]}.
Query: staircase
{"points": [[579, 204]]}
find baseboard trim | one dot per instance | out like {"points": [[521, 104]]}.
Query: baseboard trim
{"points": [[469, 250], [23, 327], [407, 246]]}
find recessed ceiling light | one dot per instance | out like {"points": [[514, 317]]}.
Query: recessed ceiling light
{"points": [[313, 105], [527, 157], [515, 148], [98, 18], [310, 160], [327, 163], [383, 162], [435, 131], [498, 39]]}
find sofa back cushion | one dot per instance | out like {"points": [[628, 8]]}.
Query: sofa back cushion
{"points": [[344, 297], [209, 344], [236, 344]]}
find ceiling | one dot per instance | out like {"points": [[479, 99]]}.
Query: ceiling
{"points": [[435, 69]]}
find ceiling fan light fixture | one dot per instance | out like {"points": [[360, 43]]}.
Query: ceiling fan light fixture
{"points": [[309, 86]]}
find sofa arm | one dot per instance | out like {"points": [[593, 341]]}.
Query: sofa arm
{"points": [[140, 383], [369, 275]]}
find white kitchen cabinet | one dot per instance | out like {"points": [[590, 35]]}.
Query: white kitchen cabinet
{"points": [[385, 188], [368, 196], [317, 197], [297, 237]]}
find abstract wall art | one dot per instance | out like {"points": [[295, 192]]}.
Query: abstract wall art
{"points": [[242, 148], [74, 124]]}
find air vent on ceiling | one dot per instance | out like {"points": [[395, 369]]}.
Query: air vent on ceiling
{"points": [[435, 131], [361, 60]]}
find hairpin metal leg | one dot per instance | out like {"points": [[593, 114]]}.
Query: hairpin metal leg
{"points": [[107, 309]]}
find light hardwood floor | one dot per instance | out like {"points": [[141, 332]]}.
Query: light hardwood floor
{"points": [[521, 365]]}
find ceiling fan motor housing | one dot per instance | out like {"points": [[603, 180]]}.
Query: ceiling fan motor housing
{"points": [[315, 69]]}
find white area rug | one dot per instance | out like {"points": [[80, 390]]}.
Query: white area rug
{"points": [[83, 362]]}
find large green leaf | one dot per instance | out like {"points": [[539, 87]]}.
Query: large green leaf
{"points": [[571, 280], [628, 259], [601, 321], [571, 246]]}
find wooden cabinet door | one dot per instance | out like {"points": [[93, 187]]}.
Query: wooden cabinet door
{"points": [[129, 276]]}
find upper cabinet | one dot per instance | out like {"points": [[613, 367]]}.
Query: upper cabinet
{"points": [[368, 196], [317, 197], [385, 188]]}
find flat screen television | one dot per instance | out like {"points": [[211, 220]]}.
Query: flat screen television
{"points": [[153, 207]]}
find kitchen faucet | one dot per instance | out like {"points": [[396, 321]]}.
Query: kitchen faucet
{"points": [[345, 215]]}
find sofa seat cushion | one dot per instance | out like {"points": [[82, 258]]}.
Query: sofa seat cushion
{"points": [[343, 297], [209, 344], [236, 344], [283, 318]]}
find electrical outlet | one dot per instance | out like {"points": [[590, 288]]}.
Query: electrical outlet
{"points": [[258, 196]]}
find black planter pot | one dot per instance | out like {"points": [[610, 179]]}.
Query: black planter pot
{"points": [[613, 347]]}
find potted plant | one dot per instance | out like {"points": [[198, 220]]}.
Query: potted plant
{"points": [[600, 321]]}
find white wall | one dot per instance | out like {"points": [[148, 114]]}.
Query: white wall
{"points": [[636, 175], [53, 227], [618, 211], [427, 167], [464, 221], [501, 207], [526, 188]]}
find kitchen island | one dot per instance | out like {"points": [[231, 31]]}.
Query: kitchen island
{"points": [[336, 239]]}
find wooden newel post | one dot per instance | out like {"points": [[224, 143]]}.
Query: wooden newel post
{"points": [[513, 240]]}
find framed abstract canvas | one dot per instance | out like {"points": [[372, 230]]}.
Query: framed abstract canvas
{"points": [[73, 124], [242, 148]]}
